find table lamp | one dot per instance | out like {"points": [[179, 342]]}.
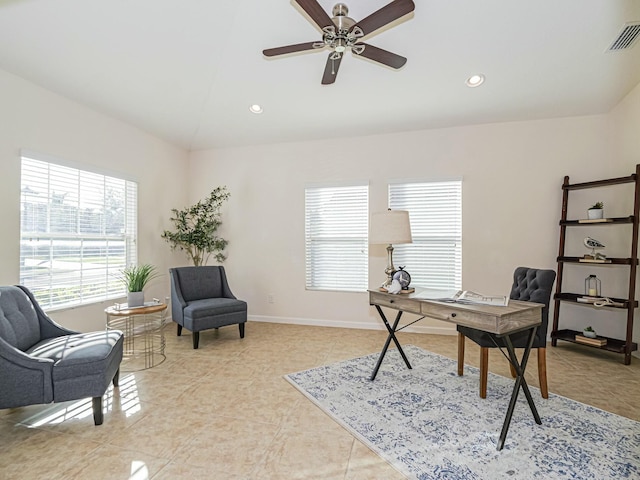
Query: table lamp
{"points": [[388, 228]]}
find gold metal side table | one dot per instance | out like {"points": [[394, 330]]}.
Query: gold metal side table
{"points": [[143, 329]]}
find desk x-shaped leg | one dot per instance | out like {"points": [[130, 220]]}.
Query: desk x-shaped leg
{"points": [[392, 336], [520, 382]]}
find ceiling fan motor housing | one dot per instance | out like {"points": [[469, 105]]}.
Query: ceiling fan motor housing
{"points": [[340, 19], [341, 37]]}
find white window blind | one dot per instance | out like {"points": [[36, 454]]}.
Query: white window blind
{"points": [[434, 259], [77, 232], [336, 230]]}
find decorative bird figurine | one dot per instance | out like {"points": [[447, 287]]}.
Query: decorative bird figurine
{"points": [[592, 243]]}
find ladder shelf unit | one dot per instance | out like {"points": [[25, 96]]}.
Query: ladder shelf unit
{"points": [[623, 346]]}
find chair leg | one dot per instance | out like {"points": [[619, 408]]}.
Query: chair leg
{"points": [[116, 379], [542, 372], [513, 370], [484, 371], [460, 354], [179, 329], [241, 326], [196, 340], [97, 410]]}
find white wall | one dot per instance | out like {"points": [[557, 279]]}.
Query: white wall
{"points": [[512, 174], [35, 119]]}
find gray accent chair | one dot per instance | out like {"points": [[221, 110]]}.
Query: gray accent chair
{"points": [[529, 285], [42, 362], [201, 299]]}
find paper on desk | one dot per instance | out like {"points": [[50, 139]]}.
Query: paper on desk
{"points": [[478, 298], [460, 296]]}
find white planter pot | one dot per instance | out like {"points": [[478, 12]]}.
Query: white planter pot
{"points": [[135, 299], [595, 213]]}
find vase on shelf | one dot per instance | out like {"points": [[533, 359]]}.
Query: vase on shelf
{"points": [[595, 213]]}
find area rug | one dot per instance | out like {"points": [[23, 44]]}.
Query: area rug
{"points": [[429, 423]]}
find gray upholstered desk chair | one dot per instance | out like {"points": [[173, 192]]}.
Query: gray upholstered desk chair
{"points": [[201, 299], [529, 285]]}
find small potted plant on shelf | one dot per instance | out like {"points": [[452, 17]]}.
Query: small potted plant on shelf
{"points": [[589, 332], [596, 211], [135, 278]]}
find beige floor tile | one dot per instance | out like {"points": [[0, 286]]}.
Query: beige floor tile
{"points": [[301, 454], [112, 463], [228, 445], [43, 455], [175, 471]]}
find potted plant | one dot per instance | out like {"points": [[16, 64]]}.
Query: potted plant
{"points": [[196, 226], [596, 211], [589, 332], [135, 278]]}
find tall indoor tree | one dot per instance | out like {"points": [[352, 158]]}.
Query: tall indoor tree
{"points": [[196, 227]]}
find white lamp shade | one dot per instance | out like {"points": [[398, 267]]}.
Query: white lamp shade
{"points": [[390, 227]]}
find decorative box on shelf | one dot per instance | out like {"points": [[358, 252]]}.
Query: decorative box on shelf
{"points": [[596, 342]]}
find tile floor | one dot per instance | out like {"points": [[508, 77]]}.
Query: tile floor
{"points": [[225, 412]]}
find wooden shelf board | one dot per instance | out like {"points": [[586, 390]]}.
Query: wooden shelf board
{"points": [[606, 221], [611, 261], [613, 344], [573, 297], [601, 183]]}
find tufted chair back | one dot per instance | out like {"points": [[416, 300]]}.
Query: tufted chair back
{"points": [[534, 285], [19, 325]]}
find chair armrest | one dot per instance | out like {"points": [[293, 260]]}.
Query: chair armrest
{"points": [[226, 290], [25, 380], [178, 302]]}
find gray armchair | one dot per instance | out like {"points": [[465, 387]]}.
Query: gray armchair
{"points": [[201, 299], [42, 362]]}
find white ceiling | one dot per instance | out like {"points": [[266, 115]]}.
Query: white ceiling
{"points": [[187, 70]]}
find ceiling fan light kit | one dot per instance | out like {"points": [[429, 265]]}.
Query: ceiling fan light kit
{"points": [[342, 33]]}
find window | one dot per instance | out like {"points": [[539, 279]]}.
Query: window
{"points": [[434, 259], [77, 232], [336, 230]]}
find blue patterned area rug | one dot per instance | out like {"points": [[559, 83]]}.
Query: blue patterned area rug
{"points": [[429, 423]]}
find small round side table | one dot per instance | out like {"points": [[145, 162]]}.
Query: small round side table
{"points": [[143, 329]]}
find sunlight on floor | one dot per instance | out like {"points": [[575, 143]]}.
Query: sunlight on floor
{"points": [[139, 471], [127, 401]]}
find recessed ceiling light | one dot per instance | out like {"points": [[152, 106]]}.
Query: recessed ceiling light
{"points": [[475, 80], [255, 108]]}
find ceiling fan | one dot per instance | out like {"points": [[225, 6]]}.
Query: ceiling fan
{"points": [[342, 32]]}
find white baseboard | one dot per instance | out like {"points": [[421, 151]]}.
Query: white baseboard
{"points": [[342, 324]]}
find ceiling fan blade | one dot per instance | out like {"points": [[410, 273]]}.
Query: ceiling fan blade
{"points": [[387, 14], [331, 68], [316, 12], [298, 47], [381, 56]]}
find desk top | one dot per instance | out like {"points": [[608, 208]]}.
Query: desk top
{"points": [[126, 311], [514, 317]]}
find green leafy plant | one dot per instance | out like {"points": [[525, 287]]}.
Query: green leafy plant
{"points": [[196, 226], [589, 329], [135, 277], [597, 205]]}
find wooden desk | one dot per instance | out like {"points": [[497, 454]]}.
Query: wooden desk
{"points": [[501, 321]]}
